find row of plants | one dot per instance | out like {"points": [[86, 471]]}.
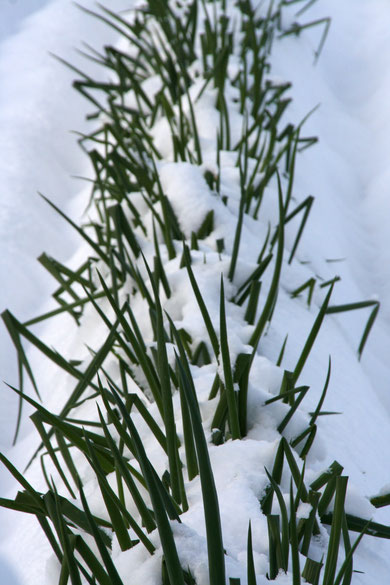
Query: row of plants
{"points": [[175, 57]]}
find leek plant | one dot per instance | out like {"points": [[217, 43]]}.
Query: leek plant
{"points": [[189, 50]]}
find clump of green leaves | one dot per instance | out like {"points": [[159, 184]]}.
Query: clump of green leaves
{"points": [[170, 42]]}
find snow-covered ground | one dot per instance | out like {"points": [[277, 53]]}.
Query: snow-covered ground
{"points": [[38, 152], [347, 173], [14, 12], [38, 113]]}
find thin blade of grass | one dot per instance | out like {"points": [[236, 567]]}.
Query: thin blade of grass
{"points": [[370, 321], [82, 233], [209, 493], [145, 514], [273, 290], [37, 420], [296, 572], [335, 533], [227, 370], [251, 574], [112, 502], [108, 563], [285, 546], [192, 461], [202, 306], [312, 335], [166, 395], [159, 505]]}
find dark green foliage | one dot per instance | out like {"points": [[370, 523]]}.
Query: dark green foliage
{"points": [[117, 276]]}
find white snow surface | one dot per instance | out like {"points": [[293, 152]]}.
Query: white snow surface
{"points": [[38, 152], [347, 172]]}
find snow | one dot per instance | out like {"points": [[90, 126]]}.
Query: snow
{"points": [[38, 111], [37, 147], [347, 173], [13, 12]]}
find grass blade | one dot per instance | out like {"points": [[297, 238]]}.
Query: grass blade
{"points": [[251, 574], [210, 499], [312, 336], [166, 395], [273, 290], [296, 572], [108, 563], [138, 500], [227, 370], [335, 533], [284, 550], [174, 569], [200, 301]]}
